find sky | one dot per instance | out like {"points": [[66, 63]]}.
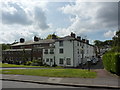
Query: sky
{"points": [[29, 18]]}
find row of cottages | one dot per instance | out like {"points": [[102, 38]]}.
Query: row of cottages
{"points": [[26, 51], [68, 51]]}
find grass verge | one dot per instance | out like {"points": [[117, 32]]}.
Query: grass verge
{"points": [[13, 65], [53, 72]]}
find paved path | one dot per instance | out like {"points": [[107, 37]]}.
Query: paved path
{"points": [[104, 80]]}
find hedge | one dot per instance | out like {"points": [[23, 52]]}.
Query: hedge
{"points": [[111, 62]]}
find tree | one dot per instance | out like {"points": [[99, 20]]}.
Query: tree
{"points": [[5, 46], [51, 36], [116, 39], [99, 44]]}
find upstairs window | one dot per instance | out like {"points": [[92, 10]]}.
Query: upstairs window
{"points": [[51, 51], [46, 51], [77, 43], [60, 43], [61, 50], [78, 51]]}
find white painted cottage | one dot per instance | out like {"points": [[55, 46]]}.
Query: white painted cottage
{"points": [[68, 51]]}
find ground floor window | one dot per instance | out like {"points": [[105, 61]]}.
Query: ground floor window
{"points": [[47, 60], [68, 61], [51, 60], [61, 61]]}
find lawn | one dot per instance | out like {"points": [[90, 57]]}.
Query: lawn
{"points": [[53, 72], [13, 65]]}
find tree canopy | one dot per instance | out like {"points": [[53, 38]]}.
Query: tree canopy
{"points": [[5, 46], [50, 36]]}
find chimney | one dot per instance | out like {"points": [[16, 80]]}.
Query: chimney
{"points": [[22, 40], [36, 38], [83, 40], [78, 38], [73, 35], [87, 41]]}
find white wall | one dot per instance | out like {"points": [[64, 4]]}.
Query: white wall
{"points": [[49, 56], [68, 52]]}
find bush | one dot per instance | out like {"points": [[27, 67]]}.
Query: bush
{"points": [[115, 49], [37, 63], [28, 62], [111, 62]]}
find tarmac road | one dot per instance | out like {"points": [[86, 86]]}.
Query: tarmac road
{"points": [[14, 84]]}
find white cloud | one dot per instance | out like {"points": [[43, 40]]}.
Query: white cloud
{"points": [[29, 18], [92, 17], [24, 13], [109, 34]]}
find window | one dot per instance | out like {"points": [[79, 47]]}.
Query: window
{"points": [[68, 61], [78, 51], [61, 61], [47, 60], [51, 60], [46, 51], [61, 50], [60, 43], [51, 51], [77, 43]]}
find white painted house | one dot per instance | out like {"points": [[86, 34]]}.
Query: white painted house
{"points": [[68, 51]]}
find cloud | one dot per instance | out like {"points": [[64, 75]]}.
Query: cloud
{"points": [[13, 13], [40, 18], [92, 17], [19, 13], [109, 34]]}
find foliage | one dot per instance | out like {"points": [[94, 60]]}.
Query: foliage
{"points": [[116, 39], [28, 62], [50, 36], [5, 46], [111, 62], [115, 49], [53, 72]]}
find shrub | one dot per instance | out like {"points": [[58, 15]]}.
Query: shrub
{"points": [[111, 62], [28, 62], [37, 63]]}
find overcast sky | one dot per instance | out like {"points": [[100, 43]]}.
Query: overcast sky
{"points": [[27, 18]]}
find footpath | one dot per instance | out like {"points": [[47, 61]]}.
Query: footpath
{"points": [[103, 80]]}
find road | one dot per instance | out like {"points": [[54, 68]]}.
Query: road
{"points": [[99, 65], [15, 84]]}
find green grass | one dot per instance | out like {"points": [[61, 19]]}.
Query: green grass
{"points": [[53, 72], [13, 65]]}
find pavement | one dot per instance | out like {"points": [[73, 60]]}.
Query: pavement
{"points": [[103, 80]]}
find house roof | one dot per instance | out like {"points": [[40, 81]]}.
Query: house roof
{"points": [[17, 49], [65, 38], [34, 42]]}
